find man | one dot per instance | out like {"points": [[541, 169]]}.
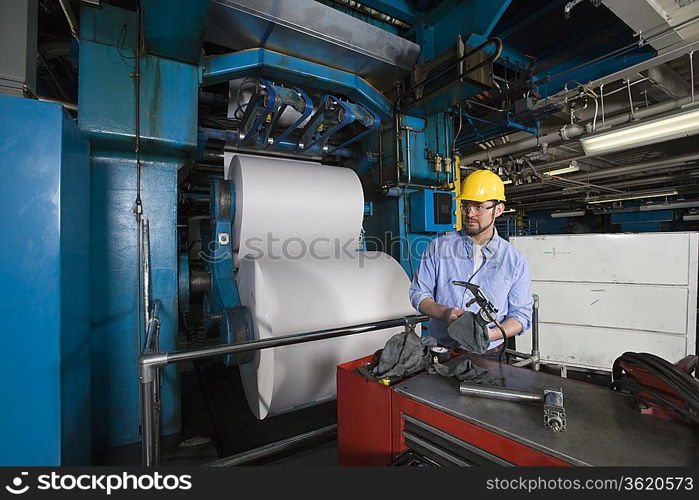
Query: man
{"points": [[478, 255]]}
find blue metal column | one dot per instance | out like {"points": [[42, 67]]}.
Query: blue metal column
{"points": [[168, 116], [44, 300]]}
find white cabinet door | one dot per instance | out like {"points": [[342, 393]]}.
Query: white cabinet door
{"points": [[604, 294]]}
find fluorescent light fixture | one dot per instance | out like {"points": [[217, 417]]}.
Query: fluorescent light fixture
{"points": [[663, 206], [509, 211], [674, 126], [565, 170], [638, 195], [507, 181], [573, 213]]}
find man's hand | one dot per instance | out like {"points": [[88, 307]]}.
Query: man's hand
{"points": [[438, 311], [452, 313]]}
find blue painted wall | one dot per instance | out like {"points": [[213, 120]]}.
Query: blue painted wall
{"points": [[44, 300], [168, 118], [114, 290]]}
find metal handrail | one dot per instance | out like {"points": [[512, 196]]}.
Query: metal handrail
{"points": [[153, 328], [149, 364], [150, 401], [534, 358]]}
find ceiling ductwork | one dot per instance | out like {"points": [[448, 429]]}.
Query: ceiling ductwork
{"points": [[677, 20], [312, 31]]}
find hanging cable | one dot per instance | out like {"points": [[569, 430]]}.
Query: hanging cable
{"points": [[679, 393], [138, 207]]}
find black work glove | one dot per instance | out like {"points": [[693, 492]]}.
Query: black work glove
{"points": [[470, 331]]}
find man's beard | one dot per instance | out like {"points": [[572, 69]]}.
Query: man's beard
{"points": [[475, 231]]}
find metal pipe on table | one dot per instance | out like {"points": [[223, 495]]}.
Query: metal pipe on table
{"points": [[503, 393], [150, 362], [552, 399]]}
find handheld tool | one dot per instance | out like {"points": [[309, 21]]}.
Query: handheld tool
{"points": [[552, 399], [488, 311]]}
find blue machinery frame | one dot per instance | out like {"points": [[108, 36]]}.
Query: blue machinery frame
{"points": [[273, 65], [45, 301]]}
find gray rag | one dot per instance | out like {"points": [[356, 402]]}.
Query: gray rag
{"points": [[466, 370], [406, 354], [403, 355], [470, 332]]}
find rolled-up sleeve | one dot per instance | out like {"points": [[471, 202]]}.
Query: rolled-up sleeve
{"points": [[520, 301], [425, 278]]}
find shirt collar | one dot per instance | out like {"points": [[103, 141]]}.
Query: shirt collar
{"points": [[490, 249]]}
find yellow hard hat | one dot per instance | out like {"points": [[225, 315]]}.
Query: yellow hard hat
{"points": [[482, 185]]}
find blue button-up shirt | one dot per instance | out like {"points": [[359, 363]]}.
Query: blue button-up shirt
{"points": [[503, 277]]}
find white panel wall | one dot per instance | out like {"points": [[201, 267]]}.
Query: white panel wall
{"points": [[597, 348], [604, 294]]}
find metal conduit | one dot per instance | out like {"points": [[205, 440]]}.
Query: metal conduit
{"points": [[667, 163], [572, 132]]}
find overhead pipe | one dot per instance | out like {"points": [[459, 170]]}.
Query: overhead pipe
{"points": [[676, 161], [568, 194], [566, 191], [653, 179], [570, 132]]}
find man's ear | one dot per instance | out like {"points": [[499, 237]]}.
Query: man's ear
{"points": [[499, 209]]}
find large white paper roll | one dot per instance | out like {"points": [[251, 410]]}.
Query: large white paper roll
{"points": [[295, 296], [285, 209]]}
